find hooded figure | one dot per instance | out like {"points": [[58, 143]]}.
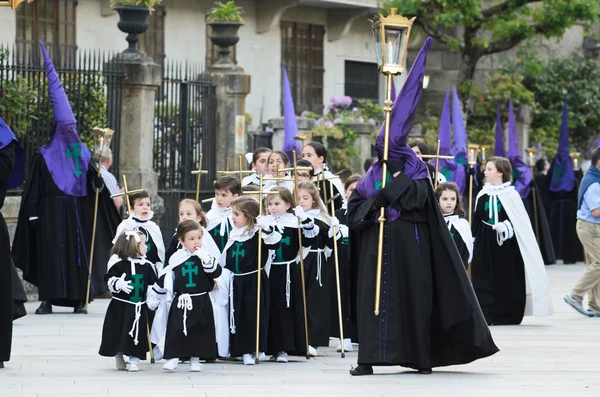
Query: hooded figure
{"points": [[429, 315], [53, 235], [563, 199], [12, 295], [525, 185]]}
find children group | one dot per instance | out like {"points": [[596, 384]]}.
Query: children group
{"points": [[200, 295]]}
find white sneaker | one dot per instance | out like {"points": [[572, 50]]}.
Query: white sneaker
{"points": [[312, 351], [347, 346], [133, 367], [195, 365], [121, 364], [171, 365], [282, 357], [262, 356], [249, 359], [157, 353]]}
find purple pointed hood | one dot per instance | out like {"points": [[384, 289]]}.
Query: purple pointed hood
{"points": [[459, 136], [562, 176], [499, 148], [290, 127], [598, 142], [6, 137], [401, 121], [66, 156], [521, 173], [393, 91]]}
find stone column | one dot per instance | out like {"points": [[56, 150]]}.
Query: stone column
{"points": [[232, 87], [142, 78], [305, 126]]}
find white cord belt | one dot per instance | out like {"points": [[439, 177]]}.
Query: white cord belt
{"points": [[319, 251], [185, 302], [288, 280], [135, 328], [231, 305]]}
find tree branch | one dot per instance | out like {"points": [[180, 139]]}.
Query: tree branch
{"points": [[501, 8], [511, 42], [437, 34]]}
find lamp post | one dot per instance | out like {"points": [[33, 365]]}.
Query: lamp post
{"points": [[391, 35], [14, 4]]}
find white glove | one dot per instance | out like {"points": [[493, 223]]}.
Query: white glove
{"points": [[122, 285], [152, 298], [299, 212], [204, 255], [263, 222], [502, 231], [334, 222], [344, 230]]}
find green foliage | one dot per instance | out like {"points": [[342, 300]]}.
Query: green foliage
{"points": [[144, 3], [228, 12]]}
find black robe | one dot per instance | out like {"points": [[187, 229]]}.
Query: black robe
{"points": [[53, 250], [429, 315], [325, 193], [172, 248], [460, 245], [542, 181], [286, 324], [317, 291], [241, 260], [542, 228], [120, 315], [191, 277], [215, 233], [7, 160], [498, 272], [563, 226], [343, 244]]}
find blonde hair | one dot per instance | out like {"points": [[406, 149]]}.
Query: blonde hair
{"points": [[128, 246], [314, 194], [285, 194], [198, 208]]}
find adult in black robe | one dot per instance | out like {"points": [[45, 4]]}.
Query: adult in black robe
{"points": [[534, 205]]}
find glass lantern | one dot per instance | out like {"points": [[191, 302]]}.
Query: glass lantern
{"points": [[483, 154], [473, 150], [102, 139], [531, 158], [391, 35], [576, 156]]}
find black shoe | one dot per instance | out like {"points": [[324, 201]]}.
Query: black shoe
{"points": [[1, 364], [360, 370], [424, 371], [45, 308], [80, 308]]}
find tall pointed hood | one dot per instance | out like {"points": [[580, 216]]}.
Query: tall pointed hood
{"points": [[522, 175], [290, 127], [18, 172], [459, 136], [401, 121], [499, 148], [562, 176], [598, 142], [393, 91], [66, 157]]}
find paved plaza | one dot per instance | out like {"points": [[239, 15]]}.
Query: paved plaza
{"points": [[558, 356]]}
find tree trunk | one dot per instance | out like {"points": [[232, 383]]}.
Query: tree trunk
{"points": [[466, 70]]}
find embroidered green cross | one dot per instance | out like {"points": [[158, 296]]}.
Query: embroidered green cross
{"points": [[75, 154], [447, 173], [239, 252], [189, 269], [487, 208], [559, 171], [286, 241], [388, 179], [138, 285]]}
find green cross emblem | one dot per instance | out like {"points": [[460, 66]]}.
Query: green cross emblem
{"points": [[559, 171], [447, 173], [138, 285], [216, 232], [487, 208], [75, 154], [283, 241], [388, 179], [239, 252], [190, 269]]}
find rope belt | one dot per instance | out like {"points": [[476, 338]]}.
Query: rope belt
{"points": [[288, 280], [185, 302], [231, 304], [135, 328], [319, 251]]}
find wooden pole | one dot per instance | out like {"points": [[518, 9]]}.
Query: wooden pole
{"points": [[337, 274]]}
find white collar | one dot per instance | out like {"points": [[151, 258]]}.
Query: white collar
{"points": [[242, 233], [135, 218], [497, 189]]}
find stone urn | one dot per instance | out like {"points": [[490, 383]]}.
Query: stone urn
{"points": [[133, 20], [224, 35]]}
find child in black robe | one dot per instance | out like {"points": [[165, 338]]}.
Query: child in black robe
{"points": [[126, 320], [227, 188], [454, 215], [186, 283]]}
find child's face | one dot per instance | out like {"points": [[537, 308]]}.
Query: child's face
{"points": [[417, 151], [303, 176], [262, 163], [275, 161], [187, 212], [141, 208], [224, 198], [192, 240], [239, 219], [142, 246], [350, 189], [448, 201], [277, 206], [305, 200], [491, 174], [308, 153]]}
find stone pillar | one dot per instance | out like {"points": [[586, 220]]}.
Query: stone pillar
{"points": [[142, 78], [305, 126], [232, 87], [362, 144]]}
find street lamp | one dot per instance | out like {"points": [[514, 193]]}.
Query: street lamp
{"points": [[391, 35], [14, 4]]}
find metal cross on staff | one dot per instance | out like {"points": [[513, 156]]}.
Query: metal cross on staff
{"points": [[126, 193], [333, 196], [437, 162], [199, 172], [239, 172]]}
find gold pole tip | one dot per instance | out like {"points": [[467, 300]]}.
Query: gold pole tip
{"points": [[376, 312], [392, 11]]}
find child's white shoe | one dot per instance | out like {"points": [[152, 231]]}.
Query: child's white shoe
{"points": [[171, 365], [312, 351], [133, 367], [195, 365], [347, 346], [249, 359], [120, 362], [262, 356], [282, 357], [157, 353]]}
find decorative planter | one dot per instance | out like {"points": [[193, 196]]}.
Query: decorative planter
{"points": [[224, 35], [133, 20]]}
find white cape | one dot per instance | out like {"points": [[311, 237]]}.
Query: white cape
{"points": [[462, 227], [537, 287], [132, 223]]}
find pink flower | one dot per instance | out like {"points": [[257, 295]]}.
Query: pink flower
{"points": [[328, 124], [372, 122], [334, 100], [354, 110], [331, 108], [269, 129], [337, 121], [304, 114], [346, 101], [361, 120]]}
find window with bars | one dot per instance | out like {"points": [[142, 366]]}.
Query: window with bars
{"points": [[361, 80], [152, 42], [51, 21], [212, 51], [302, 56]]}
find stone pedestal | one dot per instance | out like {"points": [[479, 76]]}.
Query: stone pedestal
{"points": [[362, 144], [232, 87], [305, 126], [142, 79]]}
